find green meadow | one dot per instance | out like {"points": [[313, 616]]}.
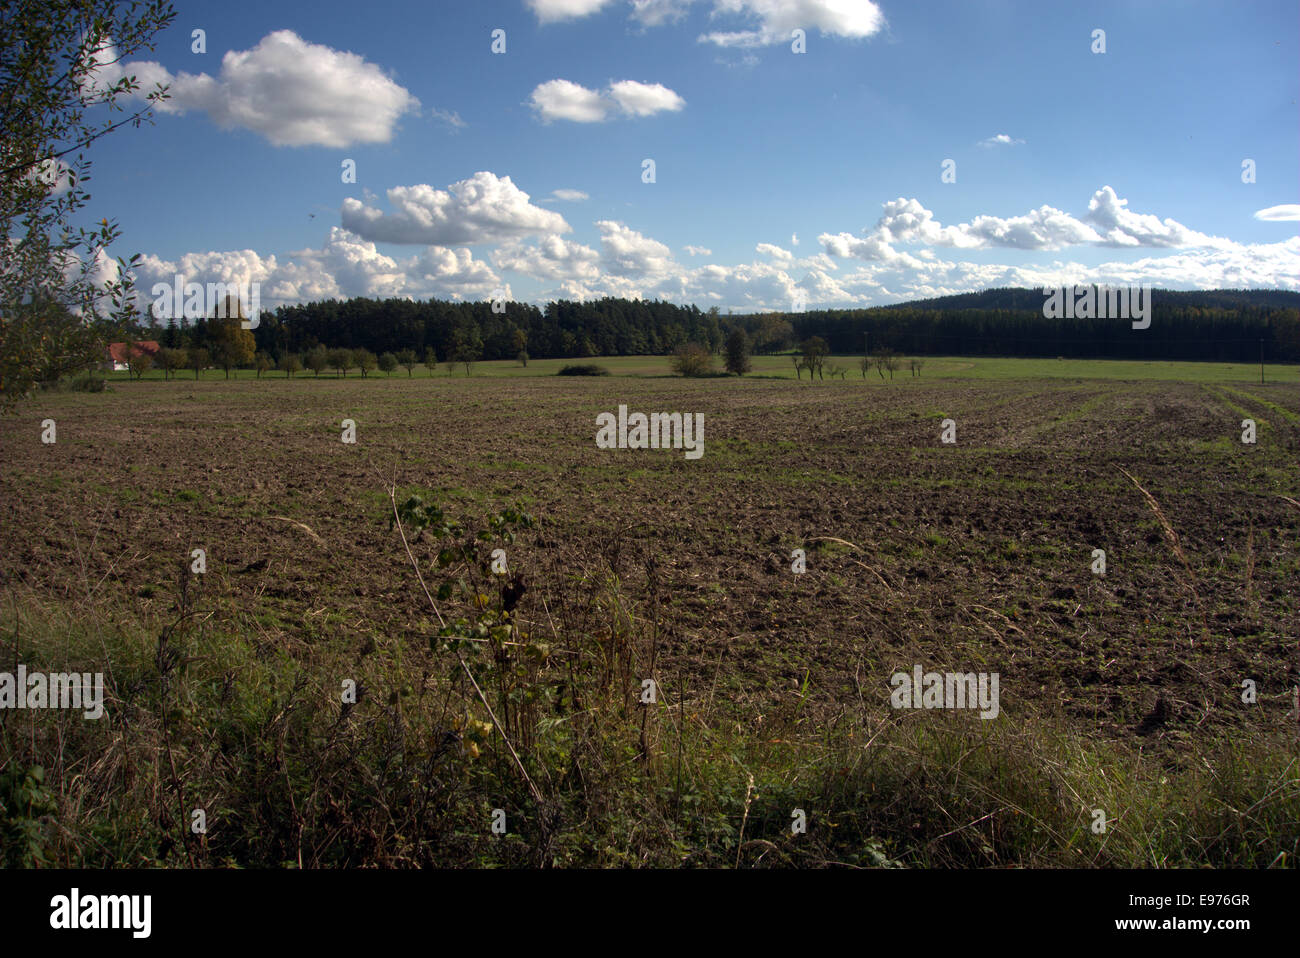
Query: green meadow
{"points": [[780, 367]]}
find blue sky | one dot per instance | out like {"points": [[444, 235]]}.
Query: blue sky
{"points": [[778, 174]]}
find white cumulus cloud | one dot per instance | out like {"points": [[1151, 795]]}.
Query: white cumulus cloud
{"points": [[644, 99], [549, 11], [482, 209], [774, 20], [291, 92], [553, 257], [1122, 227], [1000, 139], [625, 252], [566, 100], [776, 252], [1279, 214]]}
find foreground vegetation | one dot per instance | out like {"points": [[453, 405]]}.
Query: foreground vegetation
{"points": [[206, 713]]}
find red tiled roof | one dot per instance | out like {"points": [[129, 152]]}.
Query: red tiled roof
{"points": [[117, 352]]}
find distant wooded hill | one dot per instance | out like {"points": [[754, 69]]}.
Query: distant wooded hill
{"points": [[1019, 298], [1223, 325]]}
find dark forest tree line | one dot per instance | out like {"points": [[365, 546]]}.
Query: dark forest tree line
{"points": [[1223, 325]]}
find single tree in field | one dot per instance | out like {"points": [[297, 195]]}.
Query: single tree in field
{"points": [[220, 358], [814, 352], [798, 366], [407, 359], [916, 366], [865, 364], [387, 363], [891, 363], [692, 359], [199, 360], [318, 359], [364, 360], [341, 359], [738, 352], [522, 358], [55, 74], [262, 363], [467, 348], [430, 359], [289, 364], [171, 360], [886, 361], [519, 341], [138, 361], [232, 345]]}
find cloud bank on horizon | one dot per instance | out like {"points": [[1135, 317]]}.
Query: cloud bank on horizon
{"points": [[894, 259], [292, 101]]}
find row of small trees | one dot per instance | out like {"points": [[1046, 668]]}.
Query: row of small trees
{"points": [[694, 359], [813, 353], [317, 361]]}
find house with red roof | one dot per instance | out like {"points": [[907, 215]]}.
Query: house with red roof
{"points": [[117, 354]]}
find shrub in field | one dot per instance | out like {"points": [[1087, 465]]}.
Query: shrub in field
{"points": [[87, 382], [588, 369], [692, 360]]}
